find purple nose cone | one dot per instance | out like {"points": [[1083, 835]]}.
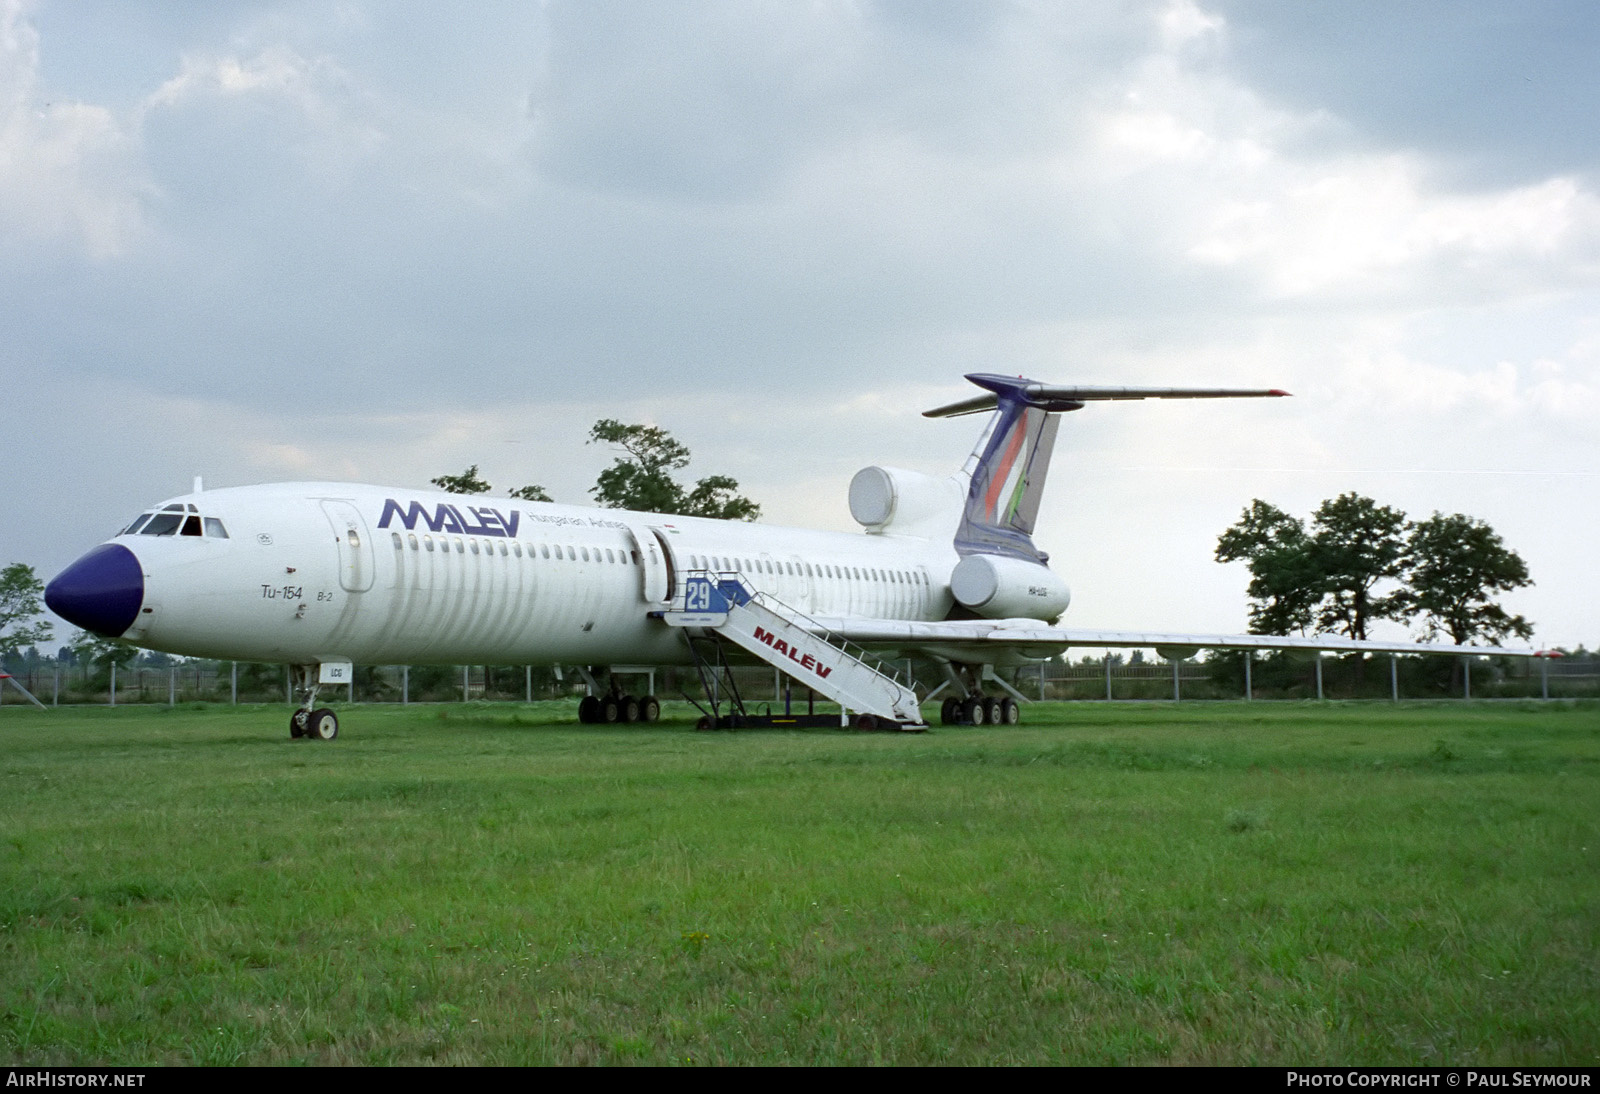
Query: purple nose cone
{"points": [[101, 592]]}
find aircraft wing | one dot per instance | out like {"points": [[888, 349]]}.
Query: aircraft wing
{"points": [[991, 640]]}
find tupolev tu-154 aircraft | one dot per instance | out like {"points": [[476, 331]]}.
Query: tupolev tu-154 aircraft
{"points": [[322, 575]]}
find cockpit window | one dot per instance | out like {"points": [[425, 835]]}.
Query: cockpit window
{"points": [[176, 519], [164, 523]]}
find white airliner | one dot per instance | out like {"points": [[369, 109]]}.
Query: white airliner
{"points": [[323, 575]]}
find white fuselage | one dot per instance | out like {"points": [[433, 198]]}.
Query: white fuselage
{"points": [[318, 572]]}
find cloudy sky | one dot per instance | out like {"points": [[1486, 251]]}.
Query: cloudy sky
{"points": [[381, 241]]}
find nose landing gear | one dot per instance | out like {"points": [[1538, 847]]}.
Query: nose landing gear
{"points": [[311, 721]]}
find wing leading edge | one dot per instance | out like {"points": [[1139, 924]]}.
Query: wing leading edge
{"points": [[980, 640]]}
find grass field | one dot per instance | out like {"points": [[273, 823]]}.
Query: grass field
{"points": [[1110, 883]]}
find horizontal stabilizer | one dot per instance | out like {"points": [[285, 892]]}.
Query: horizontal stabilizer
{"points": [[1059, 397]]}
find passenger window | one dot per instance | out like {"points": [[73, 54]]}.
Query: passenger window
{"points": [[474, 544], [427, 543], [609, 556], [461, 548], [395, 536], [503, 549], [516, 549]]}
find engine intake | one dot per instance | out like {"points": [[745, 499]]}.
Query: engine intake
{"points": [[896, 501]]}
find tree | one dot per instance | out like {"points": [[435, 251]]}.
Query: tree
{"points": [[714, 496], [1285, 586], [642, 479], [20, 589], [468, 482], [99, 654], [1327, 578], [1356, 545], [1453, 565]]}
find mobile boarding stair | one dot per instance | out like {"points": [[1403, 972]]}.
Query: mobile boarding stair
{"points": [[719, 607]]}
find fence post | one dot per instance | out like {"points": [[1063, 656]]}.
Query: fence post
{"points": [[1249, 658], [55, 695], [465, 684], [405, 684], [172, 686], [1319, 676], [1108, 676], [1394, 677], [527, 676], [1544, 678], [113, 683], [233, 684], [1175, 696], [1466, 678]]}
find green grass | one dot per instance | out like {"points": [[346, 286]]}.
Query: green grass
{"points": [[1107, 884]]}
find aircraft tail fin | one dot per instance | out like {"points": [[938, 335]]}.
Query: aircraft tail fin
{"points": [[1007, 469]]}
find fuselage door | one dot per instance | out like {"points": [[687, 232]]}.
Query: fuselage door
{"points": [[670, 562], [653, 571], [355, 545]]}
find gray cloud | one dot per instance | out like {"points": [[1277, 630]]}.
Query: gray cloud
{"points": [[1494, 90]]}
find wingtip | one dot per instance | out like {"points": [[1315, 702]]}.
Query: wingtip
{"points": [[1279, 392]]}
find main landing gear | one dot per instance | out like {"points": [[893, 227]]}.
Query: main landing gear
{"points": [[310, 720], [613, 709], [980, 710]]}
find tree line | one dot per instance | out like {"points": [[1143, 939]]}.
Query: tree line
{"points": [[1358, 562]]}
